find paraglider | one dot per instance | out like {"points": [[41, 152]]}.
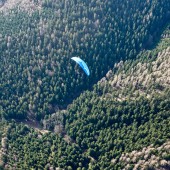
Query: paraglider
{"points": [[82, 64]]}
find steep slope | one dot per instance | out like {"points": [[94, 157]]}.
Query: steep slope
{"points": [[125, 113], [147, 76], [37, 75], [128, 109], [110, 127]]}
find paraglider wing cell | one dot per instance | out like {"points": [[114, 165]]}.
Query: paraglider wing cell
{"points": [[82, 64]]}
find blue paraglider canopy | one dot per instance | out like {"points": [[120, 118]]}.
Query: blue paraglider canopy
{"points": [[82, 64]]}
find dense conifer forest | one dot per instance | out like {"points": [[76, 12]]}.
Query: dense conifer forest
{"points": [[37, 75], [53, 116], [114, 126]]}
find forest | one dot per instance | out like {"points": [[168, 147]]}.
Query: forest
{"points": [[37, 75], [53, 116], [103, 128], [98, 128]]}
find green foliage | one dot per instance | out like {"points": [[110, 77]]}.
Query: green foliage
{"points": [[35, 50], [30, 149], [38, 79], [109, 128], [95, 128]]}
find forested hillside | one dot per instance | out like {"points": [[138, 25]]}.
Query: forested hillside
{"points": [[148, 158], [38, 38], [53, 116], [128, 109], [124, 122]]}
